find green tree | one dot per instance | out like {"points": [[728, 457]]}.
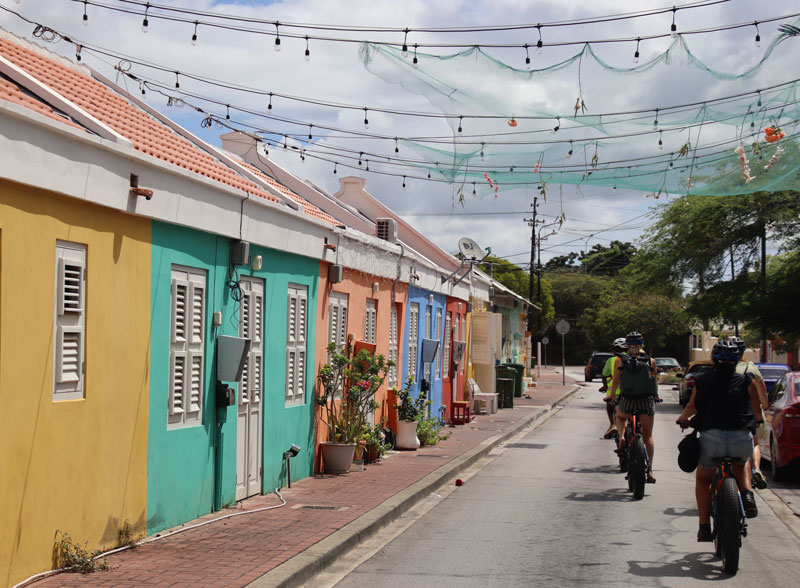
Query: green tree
{"points": [[517, 279], [608, 260]]}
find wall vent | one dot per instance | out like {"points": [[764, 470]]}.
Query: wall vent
{"points": [[386, 229]]}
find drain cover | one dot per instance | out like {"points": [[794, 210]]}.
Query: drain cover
{"points": [[527, 445], [318, 507]]}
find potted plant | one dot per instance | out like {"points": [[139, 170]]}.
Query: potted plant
{"points": [[374, 443], [408, 412], [346, 391]]}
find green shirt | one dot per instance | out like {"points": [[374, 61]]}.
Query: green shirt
{"points": [[608, 372]]}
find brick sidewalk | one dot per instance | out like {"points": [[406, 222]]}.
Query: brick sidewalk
{"points": [[239, 550]]}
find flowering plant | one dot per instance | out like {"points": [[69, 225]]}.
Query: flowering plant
{"points": [[773, 133], [410, 408], [346, 389]]}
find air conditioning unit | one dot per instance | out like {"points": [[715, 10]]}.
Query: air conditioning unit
{"points": [[386, 229]]}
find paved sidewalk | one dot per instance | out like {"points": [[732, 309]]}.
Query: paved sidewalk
{"points": [[323, 517]]}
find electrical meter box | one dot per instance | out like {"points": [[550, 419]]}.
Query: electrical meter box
{"points": [[458, 351], [231, 355], [429, 347]]}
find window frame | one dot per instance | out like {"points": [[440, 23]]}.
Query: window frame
{"points": [[69, 321], [296, 345]]}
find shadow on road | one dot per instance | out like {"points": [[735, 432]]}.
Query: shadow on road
{"points": [[701, 566], [603, 469], [613, 495]]}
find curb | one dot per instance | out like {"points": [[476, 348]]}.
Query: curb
{"points": [[319, 556]]}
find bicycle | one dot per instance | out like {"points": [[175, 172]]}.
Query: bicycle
{"points": [[730, 523], [633, 458]]}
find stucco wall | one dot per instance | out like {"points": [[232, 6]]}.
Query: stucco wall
{"points": [[77, 466]]}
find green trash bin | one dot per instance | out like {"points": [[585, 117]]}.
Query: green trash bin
{"points": [[520, 373], [505, 395]]}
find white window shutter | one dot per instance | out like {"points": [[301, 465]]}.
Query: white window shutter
{"points": [[69, 363], [258, 316], [197, 313], [296, 344], [69, 322], [196, 383], [70, 285], [180, 310], [177, 392], [254, 381]]}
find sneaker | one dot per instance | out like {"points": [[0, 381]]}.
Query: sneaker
{"points": [[704, 533], [749, 503], [610, 432], [758, 479]]}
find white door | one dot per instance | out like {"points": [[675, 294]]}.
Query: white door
{"points": [[248, 424]]}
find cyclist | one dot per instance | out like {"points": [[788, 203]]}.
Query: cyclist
{"points": [[618, 347], [724, 403], [747, 367], [635, 377]]}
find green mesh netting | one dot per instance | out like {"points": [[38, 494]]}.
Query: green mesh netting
{"points": [[676, 149]]}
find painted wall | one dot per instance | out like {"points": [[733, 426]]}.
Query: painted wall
{"points": [[192, 470], [77, 466], [454, 378], [359, 287]]}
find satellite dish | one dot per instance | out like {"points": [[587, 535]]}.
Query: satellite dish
{"points": [[470, 249]]}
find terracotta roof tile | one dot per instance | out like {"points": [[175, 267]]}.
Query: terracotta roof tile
{"points": [[10, 92], [147, 134]]}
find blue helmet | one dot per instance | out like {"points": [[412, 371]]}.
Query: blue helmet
{"points": [[634, 338], [725, 352], [739, 344]]}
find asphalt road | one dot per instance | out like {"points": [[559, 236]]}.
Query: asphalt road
{"points": [[553, 510]]}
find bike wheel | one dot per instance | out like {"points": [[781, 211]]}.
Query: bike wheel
{"points": [[638, 468], [729, 528]]}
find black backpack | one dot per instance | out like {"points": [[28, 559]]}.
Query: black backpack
{"points": [[636, 378]]}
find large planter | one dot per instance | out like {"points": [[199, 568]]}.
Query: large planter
{"points": [[337, 457], [407, 435]]}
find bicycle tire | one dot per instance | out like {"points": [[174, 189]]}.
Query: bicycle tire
{"points": [[638, 468], [730, 539]]}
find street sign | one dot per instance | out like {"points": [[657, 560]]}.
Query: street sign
{"points": [[562, 327], [545, 340]]}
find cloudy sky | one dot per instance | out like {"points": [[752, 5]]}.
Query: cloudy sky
{"points": [[335, 74]]}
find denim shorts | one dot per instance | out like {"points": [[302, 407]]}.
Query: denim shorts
{"points": [[719, 443]]}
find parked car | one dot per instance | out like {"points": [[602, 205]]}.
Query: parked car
{"points": [[782, 445], [772, 372], [667, 366], [687, 381], [594, 367]]}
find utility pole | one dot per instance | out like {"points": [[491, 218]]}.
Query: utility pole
{"points": [[532, 224], [763, 288]]}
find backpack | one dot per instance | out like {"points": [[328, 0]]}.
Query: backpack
{"points": [[635, 378]]}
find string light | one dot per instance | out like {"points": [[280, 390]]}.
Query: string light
{"points": [[460, 119], [759, 97], [404, 182], [177, 83], [302, 156], [277, 37], [194, 35], [473, 189], [309, 132], [145, 22], [673, 30], [366, 167], [527, 57], [655, 122], [85, 16], [482, 155], [269, 106], [78, 52], [285, 138], [227, 112], [334, 169], [404, 50], [366, 120], [569, 153], [396, 148], [539, 42], [660, 142], [415, 61], [308, 51], [360, 154], [758, 36], [636, 53], [614, 189], [558, 124]]}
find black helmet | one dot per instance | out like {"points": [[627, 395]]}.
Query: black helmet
{"points": [[725, 352], [739, 343], [634, 338]]}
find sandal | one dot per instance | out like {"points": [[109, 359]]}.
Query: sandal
{"points": [[650, 478]]}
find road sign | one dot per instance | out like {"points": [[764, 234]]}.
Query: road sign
{"points": [[545, 340], [562, 327]]}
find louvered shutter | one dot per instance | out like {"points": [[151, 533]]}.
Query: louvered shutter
{"points": [[393, 355], [180, 310], [370, 321], [69, 321], [413, 336], [177, 395], [448, 323], [297, 318], [438, 336]]}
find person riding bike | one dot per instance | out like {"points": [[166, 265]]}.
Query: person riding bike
{"points": [[635, 377], [618, 347], [723, 404], [748, 367]]}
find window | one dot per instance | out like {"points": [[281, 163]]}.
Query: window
{"points": [[337, 320], [296, 344], [460, 337], [413, 338], [370, 321], [426, 368], [70, 321], [448, 322], [391, 379], [251, 320], [187, 347], [438, 334]]}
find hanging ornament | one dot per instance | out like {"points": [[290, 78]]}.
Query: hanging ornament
{"points": [[744, 165], [512, 122], [774, 159], [773, 134]]}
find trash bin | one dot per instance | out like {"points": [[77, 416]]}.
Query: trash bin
{"points": [[520, 369], [505, 390], [505, 393]]}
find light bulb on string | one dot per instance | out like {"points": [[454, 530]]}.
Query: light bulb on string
{"points": [[473, 189], [614, 189], [415, 61], [284, 142], [302, 156], [569, 153], [85, 16], [310, 137], [482, 154], [636, 53], [539, 43], [404, 182], [227, 112], [558, 124], [673, 30], [759, 98], [307, 56], [655, 122], [366, 120], [366, 165], [527, 57], [269, 106], [460, 118], [277, 37], [359, 157], [334, 169], [429, 174], [660, 142], [758, 35], [78, 49], [145, 22], [404, 50], [194, 35], [177, 82], [396, 148]]}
